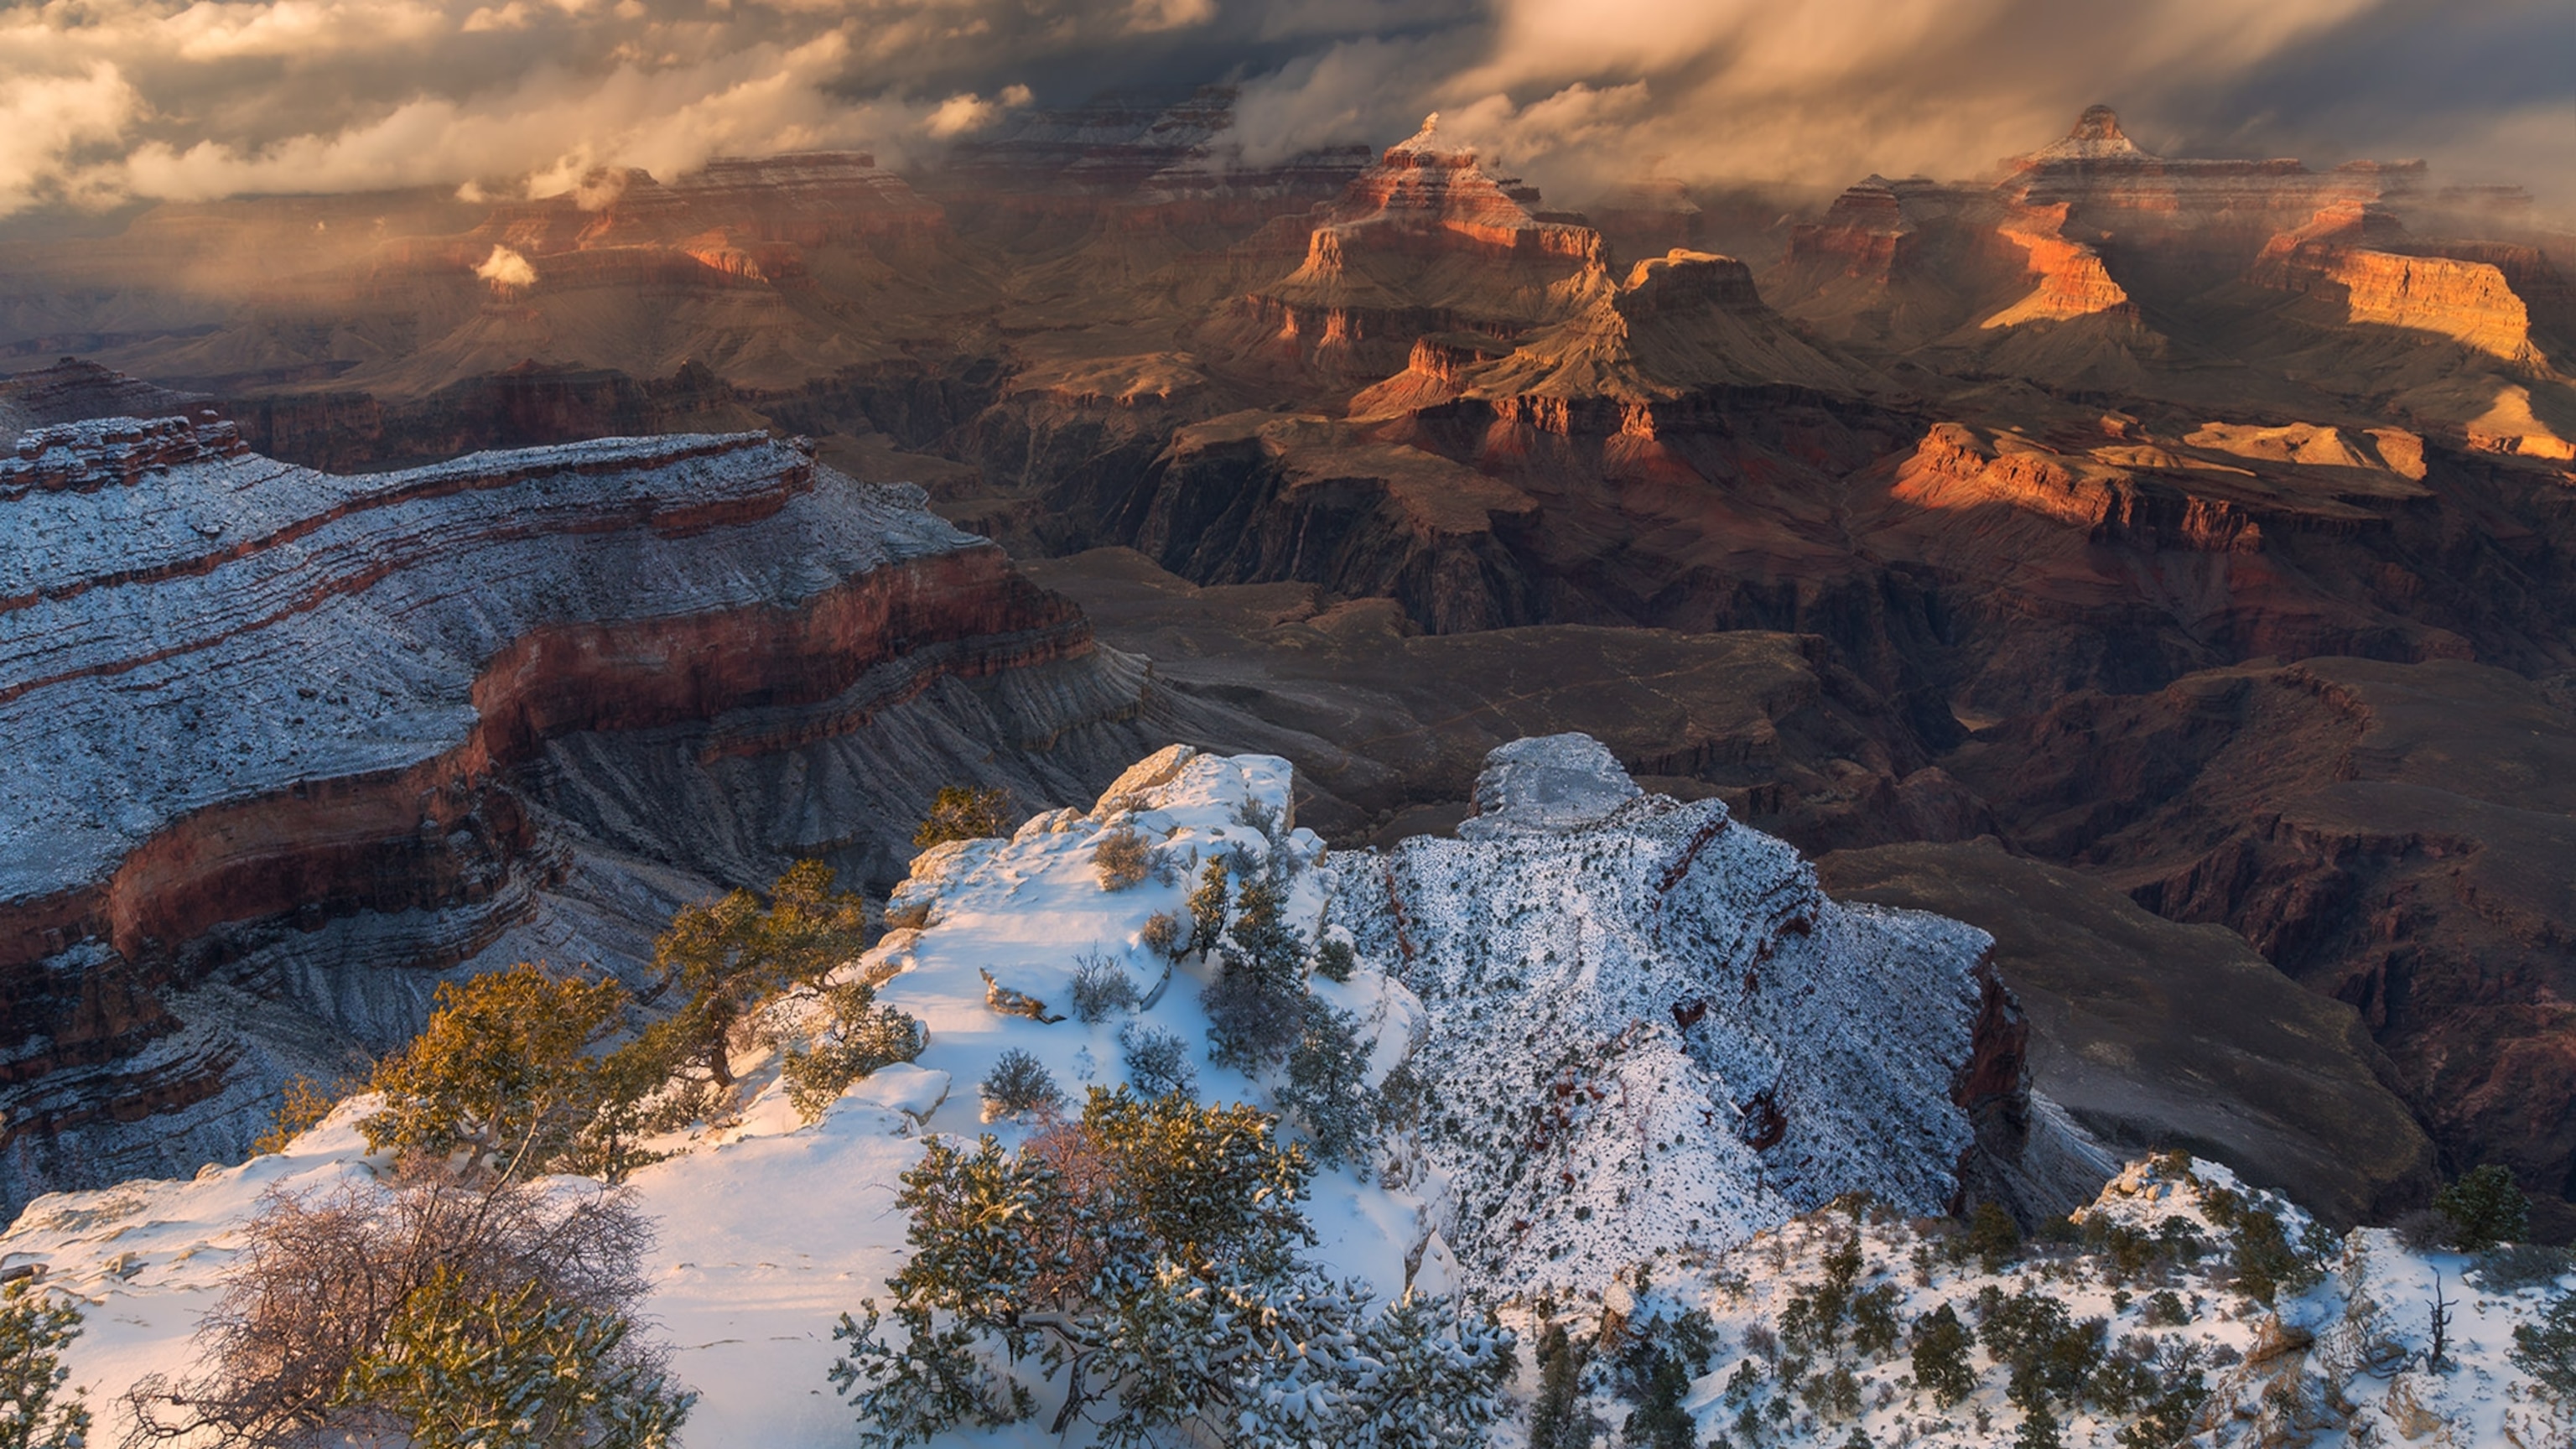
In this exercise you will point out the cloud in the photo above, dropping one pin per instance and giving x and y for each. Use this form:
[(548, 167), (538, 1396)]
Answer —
[(506, 270), (1587, 91), (102, 100)]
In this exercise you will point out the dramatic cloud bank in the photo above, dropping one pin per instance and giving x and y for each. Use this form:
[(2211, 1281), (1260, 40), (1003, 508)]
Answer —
[(105, 100)]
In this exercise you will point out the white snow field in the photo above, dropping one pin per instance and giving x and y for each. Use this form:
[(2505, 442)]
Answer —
[(1645, 1035)]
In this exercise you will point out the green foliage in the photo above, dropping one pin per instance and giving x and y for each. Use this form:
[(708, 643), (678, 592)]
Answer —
[(861, 1037), (1813, 1319), (1327, 1084), (964, 812), (303, 1103), (2485, 1208), (2546, 1347), (2267, 1263), (2048, 1352), (2167, 1420), (1941, 1345), (1557, 1420), (35, 1328), (2038, 1428), (510, 1369), (1257, 1005), (1208, 908), (730, 956), (502, 1071), (1993, 1238), (1873, 1316), (1164, 936), (1334, 959), (2165, 1310), (1158, 1061), (1655, 1369), (1148, 1252)]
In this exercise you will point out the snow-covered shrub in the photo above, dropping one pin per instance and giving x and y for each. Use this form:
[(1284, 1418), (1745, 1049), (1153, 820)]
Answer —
[(1165, 936), (1208, 907), (1071, 1251), (861, 1038), (320, 1276), (35, 1327), (1158, 1061), (1101, 987), (2521, 1265), (2546, 1349), (1018, 1085), (964, 812), (457, 1370), (1261, 816), (1334, 959), (1257, 1005), (1327, 1084), (1122, 858)]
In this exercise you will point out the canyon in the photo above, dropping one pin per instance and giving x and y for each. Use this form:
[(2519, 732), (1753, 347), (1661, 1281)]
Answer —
[(2077, 551)]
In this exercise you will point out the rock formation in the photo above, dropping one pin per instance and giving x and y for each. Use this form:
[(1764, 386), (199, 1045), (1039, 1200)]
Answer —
[(289, 745), (1649, 1030)]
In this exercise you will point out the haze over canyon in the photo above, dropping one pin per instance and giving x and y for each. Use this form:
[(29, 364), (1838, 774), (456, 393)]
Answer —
[(1958, 636)]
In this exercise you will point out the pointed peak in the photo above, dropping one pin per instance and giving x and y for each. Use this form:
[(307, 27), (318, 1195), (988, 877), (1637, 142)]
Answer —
[(2097, 137), (2098, 123), (1427, 142)]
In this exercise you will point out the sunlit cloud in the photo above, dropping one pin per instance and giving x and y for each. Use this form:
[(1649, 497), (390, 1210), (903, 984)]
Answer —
[(103, 100)]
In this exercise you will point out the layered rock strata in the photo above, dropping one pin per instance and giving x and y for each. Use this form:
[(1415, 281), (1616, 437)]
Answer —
[(305, 739)]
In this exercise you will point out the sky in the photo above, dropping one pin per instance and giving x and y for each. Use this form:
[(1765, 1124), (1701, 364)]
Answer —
[(104, 102)]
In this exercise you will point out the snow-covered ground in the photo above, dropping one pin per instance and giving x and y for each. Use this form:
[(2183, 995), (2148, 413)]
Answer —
[(1695, 1048)]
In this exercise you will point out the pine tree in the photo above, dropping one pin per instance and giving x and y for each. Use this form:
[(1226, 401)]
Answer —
[(1256, 1006), (1208, 908), (1556, 1417), (1941, 1345), (1148, 1250), (35, 1328), (502, 1070), (2485, 1208), (963, 812), (730, 956), (1327, 1084)]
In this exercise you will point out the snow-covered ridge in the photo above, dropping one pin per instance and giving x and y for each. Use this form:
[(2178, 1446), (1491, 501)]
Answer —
[(771, 1226), (1650, 1031)]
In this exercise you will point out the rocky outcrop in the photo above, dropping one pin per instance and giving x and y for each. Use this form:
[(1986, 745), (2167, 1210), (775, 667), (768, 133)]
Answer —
[(291, 744), (2387, 835), (1427, 240), (1648, 1029)]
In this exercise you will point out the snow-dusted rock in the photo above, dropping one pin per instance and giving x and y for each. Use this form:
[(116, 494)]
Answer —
[(1649, 1030), (284, 745)]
